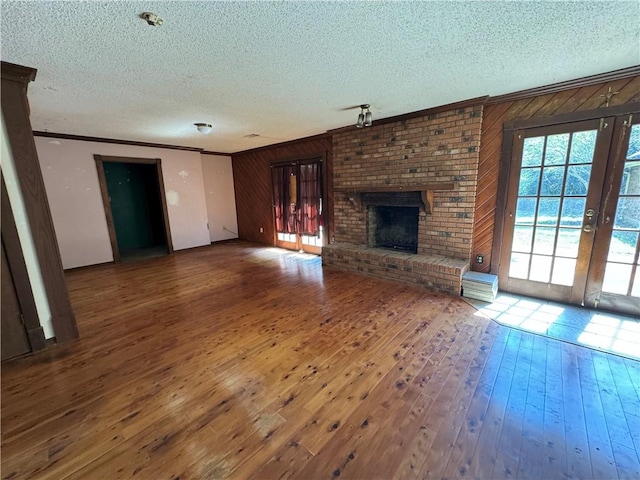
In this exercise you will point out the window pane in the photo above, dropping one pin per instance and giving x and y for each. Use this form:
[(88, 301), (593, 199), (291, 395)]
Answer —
[(628, 213), (519, 267), (577, 180), (563, 271), (552, 178), (572, 212), (623, 246), (616, 278), (568, 242), (548, 211), (631, 178), (540, 268), (556, 153), (544, 238), (525, 211), (532, 151), (529, 178), (633, 152), (522, 239), (583, 144)]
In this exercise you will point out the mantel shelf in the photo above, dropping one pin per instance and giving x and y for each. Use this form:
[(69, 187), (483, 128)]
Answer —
[(398, 188), (426, 192)]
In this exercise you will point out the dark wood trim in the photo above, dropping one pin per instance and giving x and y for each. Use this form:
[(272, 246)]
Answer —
[(15, 110), (572, 117), (113, 159), (294, 160), (19, 273), (165, 209), (83, 138), (282, 144), (501, 201), (18, 73), (220, 154), (102, 180), (567, 85), (472, 102)]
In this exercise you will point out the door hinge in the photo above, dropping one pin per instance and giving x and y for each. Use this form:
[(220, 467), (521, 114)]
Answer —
[(603, 124), (22, 321)]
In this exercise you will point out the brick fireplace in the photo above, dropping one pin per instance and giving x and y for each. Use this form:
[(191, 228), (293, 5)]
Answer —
[(427, 164)]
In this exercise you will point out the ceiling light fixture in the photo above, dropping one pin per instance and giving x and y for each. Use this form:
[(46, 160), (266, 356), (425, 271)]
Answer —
[(204, 127), (152, 19), (364, 118)]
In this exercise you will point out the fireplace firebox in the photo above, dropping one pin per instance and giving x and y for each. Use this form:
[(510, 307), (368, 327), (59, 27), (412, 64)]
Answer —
[(393, 227)]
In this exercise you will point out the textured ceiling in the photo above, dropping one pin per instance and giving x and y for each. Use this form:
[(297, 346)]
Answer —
[(285, 70)]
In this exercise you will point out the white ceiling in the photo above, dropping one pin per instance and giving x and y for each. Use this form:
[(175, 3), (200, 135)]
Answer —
[(285, 70)]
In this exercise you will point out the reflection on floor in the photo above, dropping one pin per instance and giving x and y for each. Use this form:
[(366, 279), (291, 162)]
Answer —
[(608, 332)]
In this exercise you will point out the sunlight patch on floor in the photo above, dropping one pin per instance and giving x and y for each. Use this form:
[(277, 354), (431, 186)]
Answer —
[(609, 332), (527, 314)]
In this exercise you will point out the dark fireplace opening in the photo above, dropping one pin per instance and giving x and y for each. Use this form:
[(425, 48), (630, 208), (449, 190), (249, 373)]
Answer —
[(395, 228)]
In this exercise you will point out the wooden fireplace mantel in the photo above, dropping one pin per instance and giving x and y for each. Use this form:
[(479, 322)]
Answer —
[(426, 190)]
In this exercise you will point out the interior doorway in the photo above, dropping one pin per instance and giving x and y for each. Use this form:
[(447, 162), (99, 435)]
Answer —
[(298, 205), (135, 207), (572, 218)]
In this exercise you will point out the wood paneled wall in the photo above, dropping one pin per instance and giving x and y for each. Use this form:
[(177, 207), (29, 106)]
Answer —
[(497, 113), (252, 182)]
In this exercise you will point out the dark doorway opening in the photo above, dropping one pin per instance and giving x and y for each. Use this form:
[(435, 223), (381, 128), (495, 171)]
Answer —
[(135, 207), (395, 228)]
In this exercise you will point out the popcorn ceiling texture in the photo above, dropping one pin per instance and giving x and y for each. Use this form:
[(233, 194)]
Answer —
[(290, 69)]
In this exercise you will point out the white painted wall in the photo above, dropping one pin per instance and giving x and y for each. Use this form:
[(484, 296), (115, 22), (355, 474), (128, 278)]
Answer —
[(220, 197), (24, 233), (71, 181)]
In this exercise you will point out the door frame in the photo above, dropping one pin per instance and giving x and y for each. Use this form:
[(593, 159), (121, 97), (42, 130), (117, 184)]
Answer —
[(509, 130), (19, 273), (573, 294), (594, 296), (295, 160), (102, 180)]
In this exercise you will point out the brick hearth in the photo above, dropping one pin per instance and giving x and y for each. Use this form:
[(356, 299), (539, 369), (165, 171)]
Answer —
[(435, 272)]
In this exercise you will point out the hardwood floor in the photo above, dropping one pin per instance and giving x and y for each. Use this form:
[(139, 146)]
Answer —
[(243, 362)]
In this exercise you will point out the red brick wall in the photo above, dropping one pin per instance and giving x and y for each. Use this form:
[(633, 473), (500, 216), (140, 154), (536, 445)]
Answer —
[(441, 147)]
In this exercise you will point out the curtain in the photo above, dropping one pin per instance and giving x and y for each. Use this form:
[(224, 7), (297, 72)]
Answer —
[(310, 198), (284, 209)]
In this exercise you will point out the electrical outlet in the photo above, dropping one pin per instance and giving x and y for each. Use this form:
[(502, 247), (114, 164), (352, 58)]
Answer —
[(261, 230), (479, 259)]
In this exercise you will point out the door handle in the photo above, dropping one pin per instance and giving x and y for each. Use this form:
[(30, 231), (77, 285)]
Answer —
[(587, 228)]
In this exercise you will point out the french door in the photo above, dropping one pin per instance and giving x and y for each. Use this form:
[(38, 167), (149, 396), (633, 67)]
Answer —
[(298, 204), (572, 218)]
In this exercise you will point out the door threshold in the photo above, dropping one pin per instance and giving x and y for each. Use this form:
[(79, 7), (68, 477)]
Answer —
[(596, 329)]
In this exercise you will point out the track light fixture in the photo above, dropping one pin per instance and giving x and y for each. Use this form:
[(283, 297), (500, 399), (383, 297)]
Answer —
[(204, 127), (364, 118)]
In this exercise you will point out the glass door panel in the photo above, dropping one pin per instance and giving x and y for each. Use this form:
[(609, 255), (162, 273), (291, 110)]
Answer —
[(617, 241), (297, 205), (547, 247)]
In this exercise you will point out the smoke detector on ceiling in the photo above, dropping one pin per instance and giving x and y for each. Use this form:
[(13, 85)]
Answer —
[(152, 19)]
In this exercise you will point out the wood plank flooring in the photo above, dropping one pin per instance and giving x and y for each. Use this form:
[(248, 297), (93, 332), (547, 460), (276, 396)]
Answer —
[(237, 361)]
